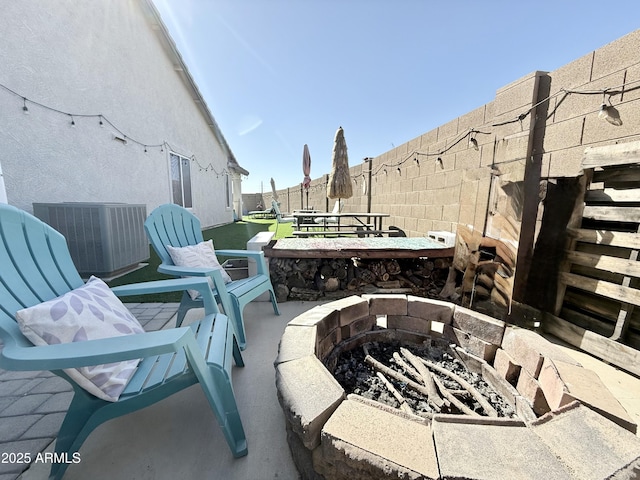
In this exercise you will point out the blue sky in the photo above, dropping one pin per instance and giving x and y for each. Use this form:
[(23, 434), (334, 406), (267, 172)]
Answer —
[(277, 74)]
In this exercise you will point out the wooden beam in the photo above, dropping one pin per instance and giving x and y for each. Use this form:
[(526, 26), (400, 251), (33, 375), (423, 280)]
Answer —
[(606, 237), (613, 214), (574, 222), (607, 155), (624, 316), (604, 348), (603, 262), (606, 289), (626, 175), (613, 195), (586, 321)]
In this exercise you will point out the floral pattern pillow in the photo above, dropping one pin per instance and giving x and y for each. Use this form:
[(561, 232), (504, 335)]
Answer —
[(200, 255), (89, 312)]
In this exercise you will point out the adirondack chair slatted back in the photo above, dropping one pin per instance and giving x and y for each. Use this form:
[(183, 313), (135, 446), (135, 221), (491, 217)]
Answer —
[(172, 225), (35, 266)]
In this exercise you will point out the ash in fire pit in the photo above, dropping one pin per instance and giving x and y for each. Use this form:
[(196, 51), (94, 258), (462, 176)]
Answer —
[(422, 380)]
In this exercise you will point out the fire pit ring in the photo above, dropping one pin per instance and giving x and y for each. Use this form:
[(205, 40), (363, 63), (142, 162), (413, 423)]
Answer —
[(337, 436)]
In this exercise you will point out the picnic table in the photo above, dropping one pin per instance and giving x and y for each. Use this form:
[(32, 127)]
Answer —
[(325, 224)]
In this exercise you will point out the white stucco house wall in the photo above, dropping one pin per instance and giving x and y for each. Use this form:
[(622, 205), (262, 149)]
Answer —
[(98, 106)]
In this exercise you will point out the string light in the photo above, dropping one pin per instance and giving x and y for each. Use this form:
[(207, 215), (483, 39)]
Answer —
[(120, 136), (618, 90), (609, 113)]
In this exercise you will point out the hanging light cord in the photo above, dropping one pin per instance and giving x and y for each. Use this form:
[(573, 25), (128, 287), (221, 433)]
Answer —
[(104, 120)]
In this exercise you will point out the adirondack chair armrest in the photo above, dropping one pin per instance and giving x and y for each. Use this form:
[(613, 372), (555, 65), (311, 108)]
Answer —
[(215, 275), (96, 352), (177, 271), (256, 255), (173, 285)]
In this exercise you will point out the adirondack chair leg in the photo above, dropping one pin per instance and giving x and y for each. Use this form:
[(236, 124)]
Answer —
[(186, 304), (238, 305), (80, 421), (217, 387), (274, 302), (237, 354)]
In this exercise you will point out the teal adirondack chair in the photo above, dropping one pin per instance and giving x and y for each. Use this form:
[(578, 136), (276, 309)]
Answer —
[(173, 225), (280, 218), (36, 267)]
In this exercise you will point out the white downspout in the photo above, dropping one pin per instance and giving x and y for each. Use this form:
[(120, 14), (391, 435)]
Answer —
[(3, 190)]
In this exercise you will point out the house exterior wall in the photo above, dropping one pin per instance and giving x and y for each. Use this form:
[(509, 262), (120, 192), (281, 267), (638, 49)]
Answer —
[(99, 58)]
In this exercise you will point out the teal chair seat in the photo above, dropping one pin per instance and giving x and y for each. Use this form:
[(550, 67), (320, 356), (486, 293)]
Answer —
[(37, 267), (173, 225)]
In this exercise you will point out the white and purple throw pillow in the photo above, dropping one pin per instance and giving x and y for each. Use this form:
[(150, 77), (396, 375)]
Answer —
[(89, 312), (200, 255)]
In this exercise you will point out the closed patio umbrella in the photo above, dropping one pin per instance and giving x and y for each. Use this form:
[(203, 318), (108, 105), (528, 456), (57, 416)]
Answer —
[(339, 185), (273, 189), (306, 170)]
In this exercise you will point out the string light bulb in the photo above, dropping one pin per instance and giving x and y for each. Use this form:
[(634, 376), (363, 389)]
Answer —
[(474, 143), (610, 114), (25, 109), (73, 122)]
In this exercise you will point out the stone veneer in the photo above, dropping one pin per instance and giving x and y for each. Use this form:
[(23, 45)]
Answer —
[(560, 404)]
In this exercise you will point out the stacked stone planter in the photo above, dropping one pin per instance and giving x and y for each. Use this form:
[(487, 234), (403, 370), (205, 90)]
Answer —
[(337, 436)]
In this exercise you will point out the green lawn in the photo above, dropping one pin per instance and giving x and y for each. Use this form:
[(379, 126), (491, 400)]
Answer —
[(232, 236)]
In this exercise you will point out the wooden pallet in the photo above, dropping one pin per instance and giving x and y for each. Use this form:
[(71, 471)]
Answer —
[(599, 281)]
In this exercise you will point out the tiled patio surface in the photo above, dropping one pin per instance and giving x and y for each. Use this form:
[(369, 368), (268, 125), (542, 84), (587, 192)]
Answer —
[(178, 437), (33, 404)]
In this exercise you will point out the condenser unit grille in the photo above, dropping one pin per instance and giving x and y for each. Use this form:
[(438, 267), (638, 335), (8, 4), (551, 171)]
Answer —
[(103, 238)]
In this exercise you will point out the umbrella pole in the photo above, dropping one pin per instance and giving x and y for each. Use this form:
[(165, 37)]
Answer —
[(307, 199)]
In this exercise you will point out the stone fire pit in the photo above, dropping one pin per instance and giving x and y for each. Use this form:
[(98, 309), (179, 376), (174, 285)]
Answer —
[(569, 425)]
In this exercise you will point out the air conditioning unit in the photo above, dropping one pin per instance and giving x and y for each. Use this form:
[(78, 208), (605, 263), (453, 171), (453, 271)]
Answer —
[(103, 238)]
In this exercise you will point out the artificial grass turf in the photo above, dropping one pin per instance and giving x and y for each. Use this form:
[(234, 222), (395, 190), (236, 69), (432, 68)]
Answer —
[(231, 236)]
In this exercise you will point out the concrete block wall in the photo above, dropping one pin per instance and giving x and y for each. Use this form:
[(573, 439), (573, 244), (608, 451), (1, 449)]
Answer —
[(433, 194), (533, 131)]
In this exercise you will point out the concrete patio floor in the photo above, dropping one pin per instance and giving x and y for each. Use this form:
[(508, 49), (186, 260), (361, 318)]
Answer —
[(179, 438)]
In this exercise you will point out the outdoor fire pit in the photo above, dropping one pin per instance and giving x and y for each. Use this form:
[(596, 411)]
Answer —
[(545, 404)]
